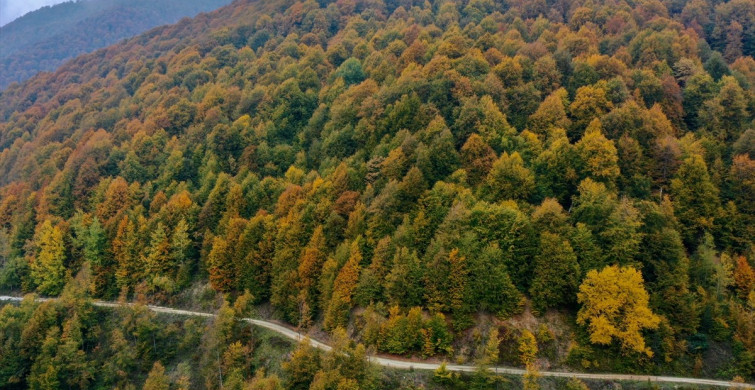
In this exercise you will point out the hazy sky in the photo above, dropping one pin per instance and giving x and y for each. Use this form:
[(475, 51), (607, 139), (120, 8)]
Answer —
[(12, 9)]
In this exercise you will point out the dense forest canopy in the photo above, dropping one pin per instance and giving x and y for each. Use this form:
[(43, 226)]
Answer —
[(42, 40), (408, 171)]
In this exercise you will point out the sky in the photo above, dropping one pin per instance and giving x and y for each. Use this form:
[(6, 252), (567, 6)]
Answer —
[(12, 9)]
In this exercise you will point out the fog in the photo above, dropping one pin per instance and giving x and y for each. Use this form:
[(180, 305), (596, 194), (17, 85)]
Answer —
[(12, 9)]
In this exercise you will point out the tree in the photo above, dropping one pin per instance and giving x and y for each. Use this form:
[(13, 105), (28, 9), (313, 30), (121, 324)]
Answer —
[(403, 284), (351, 71), (95, 252), (528, 356), (477, 158), (458, 285), (589, 103), (222, 276), (744, 278), (180, 245), (615, 306), (509, 179), (158, 259), (71, 359), (157, 380), (490, 350), (527, 348), (44, 372), (551, 114), (301, 368), (446, 287), (310, 264), (123, 247), (598, 154), (47, 265), (695, 199), (343, 289), (556, 273)]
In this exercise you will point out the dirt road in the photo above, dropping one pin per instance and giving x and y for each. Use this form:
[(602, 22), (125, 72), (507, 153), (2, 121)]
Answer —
[(416, 365)]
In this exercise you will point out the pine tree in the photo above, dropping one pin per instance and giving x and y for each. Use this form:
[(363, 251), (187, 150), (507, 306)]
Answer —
[(310, 264), (95, 252), (458, 296), (695, 199), (221, 266), (158, 260), (556, 273), (129, 268), (71, 359), (180, 246)]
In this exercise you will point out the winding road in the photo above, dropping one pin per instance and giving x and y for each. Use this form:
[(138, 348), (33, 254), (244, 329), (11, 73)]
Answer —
[(413, 365)]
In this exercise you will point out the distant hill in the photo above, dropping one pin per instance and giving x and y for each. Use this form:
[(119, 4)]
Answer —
[(42, 40)]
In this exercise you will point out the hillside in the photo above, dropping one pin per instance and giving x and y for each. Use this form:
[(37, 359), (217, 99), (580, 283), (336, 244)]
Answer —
[(42, 40), (540, 184)]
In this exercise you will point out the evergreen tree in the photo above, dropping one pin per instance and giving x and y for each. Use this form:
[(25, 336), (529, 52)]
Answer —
[(695, 199), (556, 273)]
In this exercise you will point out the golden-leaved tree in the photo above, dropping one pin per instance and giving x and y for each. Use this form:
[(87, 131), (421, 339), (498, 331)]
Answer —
[(615, 306), (47, 268)]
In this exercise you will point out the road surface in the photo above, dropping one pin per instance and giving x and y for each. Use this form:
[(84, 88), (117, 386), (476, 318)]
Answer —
[(414, 365)]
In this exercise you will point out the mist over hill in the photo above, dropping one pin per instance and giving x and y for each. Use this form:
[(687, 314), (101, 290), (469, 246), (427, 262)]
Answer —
[(43, 39)]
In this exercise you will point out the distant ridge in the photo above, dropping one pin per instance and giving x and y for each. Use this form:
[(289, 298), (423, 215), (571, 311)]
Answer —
[(43, 39)]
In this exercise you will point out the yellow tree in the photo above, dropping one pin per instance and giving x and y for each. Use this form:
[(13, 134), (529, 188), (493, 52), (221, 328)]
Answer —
[(528, 356), (509, 179), (598, 154), (343, 288), (550, 114), (589, 103), (157, 380), (615, 306), (47, 269)]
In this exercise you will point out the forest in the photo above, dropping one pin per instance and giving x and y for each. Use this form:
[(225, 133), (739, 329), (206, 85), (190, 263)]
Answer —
[(44, 39), (542, 184)]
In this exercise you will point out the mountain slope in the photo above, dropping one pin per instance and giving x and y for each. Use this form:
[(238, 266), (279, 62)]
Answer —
[(574, 175), (42, 40)]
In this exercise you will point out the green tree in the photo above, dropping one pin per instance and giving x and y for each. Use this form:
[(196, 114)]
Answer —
[(509, 179), (556, 272), (695, 199), (95, 252), (123, 246), (403, 284), (158, 259), (180, 247), (301, 368)]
